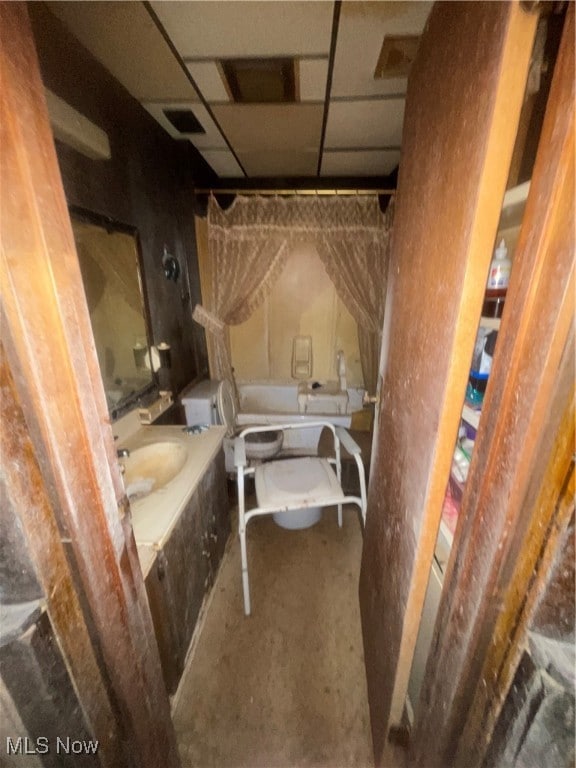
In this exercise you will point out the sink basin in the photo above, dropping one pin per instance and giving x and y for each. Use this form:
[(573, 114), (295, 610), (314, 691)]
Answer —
[(151, 467)]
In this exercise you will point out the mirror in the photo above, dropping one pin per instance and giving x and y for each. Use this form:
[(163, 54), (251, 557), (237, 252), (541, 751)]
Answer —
[(109, 261)]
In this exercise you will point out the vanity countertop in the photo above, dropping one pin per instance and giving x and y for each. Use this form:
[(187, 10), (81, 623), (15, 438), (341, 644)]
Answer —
[(146, 556), (155, 515)]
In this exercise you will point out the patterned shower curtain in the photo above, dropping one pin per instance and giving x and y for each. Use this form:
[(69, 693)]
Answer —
[(248, 245)]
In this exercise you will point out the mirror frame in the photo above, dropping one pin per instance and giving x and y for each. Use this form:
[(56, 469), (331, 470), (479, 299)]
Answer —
[(150, 392)]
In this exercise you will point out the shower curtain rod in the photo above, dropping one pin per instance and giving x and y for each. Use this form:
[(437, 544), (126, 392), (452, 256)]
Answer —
[(295, 191)]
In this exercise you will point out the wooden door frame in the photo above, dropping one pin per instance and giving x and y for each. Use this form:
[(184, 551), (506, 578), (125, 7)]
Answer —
[(514, 510), (62, 433), (447, 210)]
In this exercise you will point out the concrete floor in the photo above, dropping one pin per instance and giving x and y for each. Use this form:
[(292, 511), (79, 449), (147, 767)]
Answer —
[(286, 686)]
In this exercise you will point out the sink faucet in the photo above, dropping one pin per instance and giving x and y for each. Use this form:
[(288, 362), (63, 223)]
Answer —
[(122, 453)]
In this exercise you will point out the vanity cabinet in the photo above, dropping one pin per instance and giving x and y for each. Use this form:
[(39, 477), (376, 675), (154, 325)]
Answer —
[(185, 568)]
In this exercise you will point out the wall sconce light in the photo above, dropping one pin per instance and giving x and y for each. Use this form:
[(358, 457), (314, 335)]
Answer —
[(171, 266)]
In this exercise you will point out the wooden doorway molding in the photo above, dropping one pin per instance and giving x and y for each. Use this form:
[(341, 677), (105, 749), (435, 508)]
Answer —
[(52, 362), (516, 507), (463, 106)]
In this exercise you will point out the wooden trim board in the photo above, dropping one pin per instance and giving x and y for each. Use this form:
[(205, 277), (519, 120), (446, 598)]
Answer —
[(52, 359), (463, 105), (502, 528)]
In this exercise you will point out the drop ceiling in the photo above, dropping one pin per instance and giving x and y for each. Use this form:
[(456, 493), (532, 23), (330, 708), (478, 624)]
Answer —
[(343, 121)]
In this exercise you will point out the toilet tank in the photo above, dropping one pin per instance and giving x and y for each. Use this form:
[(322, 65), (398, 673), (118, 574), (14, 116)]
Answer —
[(199, 401)]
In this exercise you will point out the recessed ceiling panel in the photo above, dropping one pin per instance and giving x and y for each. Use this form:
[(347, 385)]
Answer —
[(208, 79), (236, 29), (210, 139), (279, 163), (360, 163), (271, 128), (260, 81), (372, 124), (312, 74), (361, 32), (123, 37), (222, 162)]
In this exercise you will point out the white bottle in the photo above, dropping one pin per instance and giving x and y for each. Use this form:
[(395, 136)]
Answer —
[(499, 275)]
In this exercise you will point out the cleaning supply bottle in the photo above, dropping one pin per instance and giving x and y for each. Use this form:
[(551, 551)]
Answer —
[(497, 285), (499, 275)]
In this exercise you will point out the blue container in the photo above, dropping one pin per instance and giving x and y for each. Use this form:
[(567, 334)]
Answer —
[(476, 387)]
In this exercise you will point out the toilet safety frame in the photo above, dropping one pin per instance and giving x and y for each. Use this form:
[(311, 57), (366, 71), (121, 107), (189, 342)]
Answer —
[(328, 491)]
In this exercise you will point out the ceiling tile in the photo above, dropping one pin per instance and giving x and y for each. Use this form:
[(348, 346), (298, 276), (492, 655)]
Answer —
[(211, 139), (278, 163), (123, 37), (360, 35), (372, 124), (360, 163), (208, 80), (222, 162), (271, 127), (237, 29), (313, 76)]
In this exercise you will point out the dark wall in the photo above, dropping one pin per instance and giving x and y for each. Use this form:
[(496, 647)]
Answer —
[(147, 184)]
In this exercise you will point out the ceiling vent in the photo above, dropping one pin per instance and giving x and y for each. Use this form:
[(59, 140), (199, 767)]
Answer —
[(184, 120), (396, 57), (260, 81)]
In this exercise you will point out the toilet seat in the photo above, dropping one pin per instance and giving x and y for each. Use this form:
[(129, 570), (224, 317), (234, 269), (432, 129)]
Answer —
[(308, 480), (258, 445), (227, 406)]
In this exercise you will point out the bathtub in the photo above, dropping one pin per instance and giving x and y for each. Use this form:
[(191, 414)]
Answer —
[(277, 402)]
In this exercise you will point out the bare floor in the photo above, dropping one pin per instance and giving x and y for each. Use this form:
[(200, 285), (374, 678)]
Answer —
[(285, 686)]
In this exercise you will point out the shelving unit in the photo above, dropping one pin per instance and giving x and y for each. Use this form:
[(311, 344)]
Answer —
[(444, 650), (490, 322), (471, 416), (509, 229)]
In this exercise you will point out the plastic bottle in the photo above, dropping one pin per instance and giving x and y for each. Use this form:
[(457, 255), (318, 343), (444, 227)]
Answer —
[(481, 365), (497, 285), (499, 275)]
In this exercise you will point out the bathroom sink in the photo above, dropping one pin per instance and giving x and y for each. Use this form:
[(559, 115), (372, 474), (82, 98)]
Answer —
[(151, 467)]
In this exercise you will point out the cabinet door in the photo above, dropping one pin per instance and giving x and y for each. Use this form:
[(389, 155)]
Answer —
[(463, 104), (163, 621), (215, 512), (185, 569), (188, 570), (176, 587)]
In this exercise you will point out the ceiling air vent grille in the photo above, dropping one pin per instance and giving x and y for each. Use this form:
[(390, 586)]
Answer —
[(396, 57), (184, 120)]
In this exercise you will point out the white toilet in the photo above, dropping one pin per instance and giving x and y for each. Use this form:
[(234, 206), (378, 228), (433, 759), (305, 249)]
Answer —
[(213, 402), (260, 445)]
